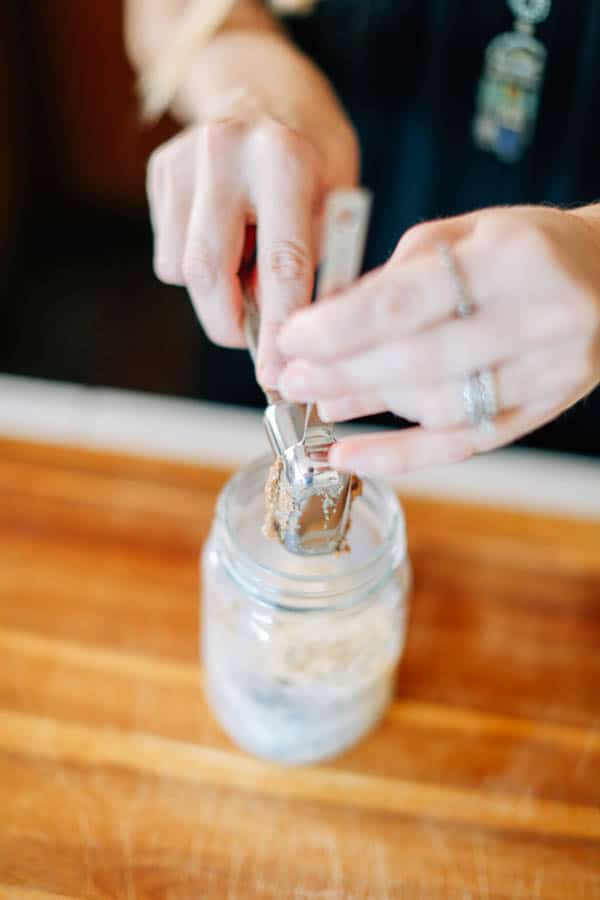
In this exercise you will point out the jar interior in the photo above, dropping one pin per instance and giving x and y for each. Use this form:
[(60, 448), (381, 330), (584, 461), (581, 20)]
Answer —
[(376, 523), (299, 652)]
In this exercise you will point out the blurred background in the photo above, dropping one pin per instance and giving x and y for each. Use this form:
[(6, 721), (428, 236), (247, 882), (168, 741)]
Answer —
[(79, 299)]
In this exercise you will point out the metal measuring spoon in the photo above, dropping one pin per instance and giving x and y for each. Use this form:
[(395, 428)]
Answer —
[(309, 502)]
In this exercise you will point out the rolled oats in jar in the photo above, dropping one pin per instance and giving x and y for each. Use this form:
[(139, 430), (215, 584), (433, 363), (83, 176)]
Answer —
[(299, 653)]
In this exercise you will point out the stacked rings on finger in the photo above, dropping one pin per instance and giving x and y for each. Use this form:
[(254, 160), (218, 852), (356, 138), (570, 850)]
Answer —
[(488, 394), (479, 393), (480, 399)]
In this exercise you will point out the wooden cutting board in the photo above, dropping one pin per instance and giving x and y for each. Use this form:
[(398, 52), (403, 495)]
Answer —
[(482, 782)]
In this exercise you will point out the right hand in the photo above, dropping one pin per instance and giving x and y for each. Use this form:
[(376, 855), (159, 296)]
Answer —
[(243, 167)]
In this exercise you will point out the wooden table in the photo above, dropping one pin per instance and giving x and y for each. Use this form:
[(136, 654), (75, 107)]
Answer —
[(482, 782)]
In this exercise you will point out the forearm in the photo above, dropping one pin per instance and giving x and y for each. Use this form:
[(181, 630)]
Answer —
[(149, 24), (206, 51), (247, 73)]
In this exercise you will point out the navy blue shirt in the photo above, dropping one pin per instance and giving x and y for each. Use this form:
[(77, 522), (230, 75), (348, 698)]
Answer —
[(407, 72)]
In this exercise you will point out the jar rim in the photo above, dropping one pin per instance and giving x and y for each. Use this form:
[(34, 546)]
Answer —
[(393, 541)]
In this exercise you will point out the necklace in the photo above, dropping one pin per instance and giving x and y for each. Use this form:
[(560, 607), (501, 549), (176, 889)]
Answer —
[(511, 83)]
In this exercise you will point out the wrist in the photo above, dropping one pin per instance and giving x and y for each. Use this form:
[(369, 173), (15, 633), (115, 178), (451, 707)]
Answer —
[(251, 76), (165, 54), (232, 78)]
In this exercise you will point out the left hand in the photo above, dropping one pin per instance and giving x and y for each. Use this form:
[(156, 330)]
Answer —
[(392, 342)]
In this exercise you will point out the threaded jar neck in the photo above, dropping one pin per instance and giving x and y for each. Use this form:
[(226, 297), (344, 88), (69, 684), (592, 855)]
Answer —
[(276, 578)]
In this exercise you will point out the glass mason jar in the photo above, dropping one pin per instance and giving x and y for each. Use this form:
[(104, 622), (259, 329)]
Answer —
[(299, 653)]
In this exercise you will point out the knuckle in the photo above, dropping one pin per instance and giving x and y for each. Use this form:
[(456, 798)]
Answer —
[(419, 235), (531, 243), (167, 270), (289, 151), (218, 137), (493, 225), (199, 269), (283, 139), (289, 261)]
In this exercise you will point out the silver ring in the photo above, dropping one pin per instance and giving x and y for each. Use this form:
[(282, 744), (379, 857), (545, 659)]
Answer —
[(488, 394), (479, 394), (463, 305), (480, 399), (471, 396)]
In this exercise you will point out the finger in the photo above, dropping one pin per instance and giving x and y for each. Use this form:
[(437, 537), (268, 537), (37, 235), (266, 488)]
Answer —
[(426, 358), (285, 205), (154, 190), (215, 238), (418, 297), (390, 455), (352, 406), (170, 237), (169, 186), (393, 302), (490, 337), (406, 402), (559, 371), (555, 371)]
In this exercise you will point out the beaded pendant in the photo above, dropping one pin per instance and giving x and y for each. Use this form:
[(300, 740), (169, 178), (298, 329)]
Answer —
[(509, 91)]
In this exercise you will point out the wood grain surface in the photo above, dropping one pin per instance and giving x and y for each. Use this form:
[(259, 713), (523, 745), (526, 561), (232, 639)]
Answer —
[(483, 781)]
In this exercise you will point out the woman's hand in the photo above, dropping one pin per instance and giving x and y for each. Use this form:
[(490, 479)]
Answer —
[(393, 341), (264, 154)]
